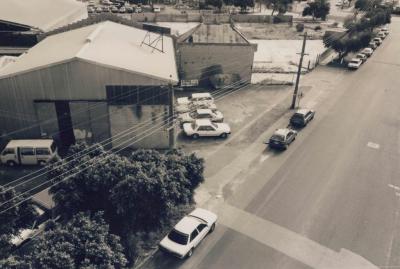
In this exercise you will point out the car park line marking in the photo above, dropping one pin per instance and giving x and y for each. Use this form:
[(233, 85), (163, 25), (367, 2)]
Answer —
[(288, 242), (373, 145), (394, 187)]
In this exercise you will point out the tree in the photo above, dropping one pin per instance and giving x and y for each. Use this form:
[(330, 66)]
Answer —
[(317, 9), (135, 192), (18, 217), (344, 43), (278, 5), (215, 3), (243, 4), (84, 242)]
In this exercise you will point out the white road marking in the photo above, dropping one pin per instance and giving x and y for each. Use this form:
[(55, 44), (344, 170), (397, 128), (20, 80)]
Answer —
[(373, 145), (263, 158), (397, 188), (288, 242)]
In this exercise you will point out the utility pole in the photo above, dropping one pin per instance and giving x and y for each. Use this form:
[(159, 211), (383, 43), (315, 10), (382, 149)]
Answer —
[(296, 87), (171, 128)]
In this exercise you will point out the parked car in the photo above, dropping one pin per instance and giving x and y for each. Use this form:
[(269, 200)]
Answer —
[(367, 51), (213, 115), (381, 35), (282, 138), (377, 40), (354, 63), (91, 3), (196, 99), (114, 9), (138, 9), (90, 10), (122, 10), (129, 10), (31, 152), (302, 117), (204, 127), (372, 45), (99, 9), (106, 9), (188, 233), (156, 9), (384, 30), (184, 108), (362, 56)]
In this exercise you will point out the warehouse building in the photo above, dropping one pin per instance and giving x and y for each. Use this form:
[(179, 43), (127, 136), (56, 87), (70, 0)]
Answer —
[(102, 81), (214, 55), (22, 21)]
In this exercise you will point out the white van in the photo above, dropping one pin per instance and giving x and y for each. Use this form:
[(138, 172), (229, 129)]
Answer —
[(31, 152), (156, 9)]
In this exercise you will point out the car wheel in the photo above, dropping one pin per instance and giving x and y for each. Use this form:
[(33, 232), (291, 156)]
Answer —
[(224, 135), (11, 163), (190, 253), (212, 228), (195, 136)]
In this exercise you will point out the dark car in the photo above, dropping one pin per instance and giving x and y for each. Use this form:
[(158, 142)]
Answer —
[(302, 117), (282, 138)]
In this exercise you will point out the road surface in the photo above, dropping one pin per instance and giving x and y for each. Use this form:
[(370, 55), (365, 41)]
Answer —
[(332, 199)]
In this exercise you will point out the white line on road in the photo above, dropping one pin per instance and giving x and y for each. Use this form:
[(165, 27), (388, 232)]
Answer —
[(373, 145), (397, 188), (264, 157)]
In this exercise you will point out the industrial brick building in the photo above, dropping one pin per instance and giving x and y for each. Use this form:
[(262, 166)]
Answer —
[(214, 50), (92, 83)]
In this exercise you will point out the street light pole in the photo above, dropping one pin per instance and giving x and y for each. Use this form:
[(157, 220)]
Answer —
[(171, 129), (296, 87)]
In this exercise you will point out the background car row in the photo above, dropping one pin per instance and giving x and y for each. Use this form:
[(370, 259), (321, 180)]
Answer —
[(362, 57)]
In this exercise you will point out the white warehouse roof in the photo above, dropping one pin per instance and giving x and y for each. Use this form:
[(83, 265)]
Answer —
[(45, 15), (106, 43)]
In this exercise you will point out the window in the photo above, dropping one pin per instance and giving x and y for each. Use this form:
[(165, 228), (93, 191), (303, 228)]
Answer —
[(8, 151), (42, 151), (201, 227), (27, 151), (193, 235), (203, 128), (210, 128), (178, 237)]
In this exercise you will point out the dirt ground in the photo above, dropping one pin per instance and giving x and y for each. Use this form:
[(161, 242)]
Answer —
[(281, 31)]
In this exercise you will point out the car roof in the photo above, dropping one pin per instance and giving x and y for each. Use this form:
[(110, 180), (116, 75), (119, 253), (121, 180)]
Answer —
[(283, 131), (204, 111), (355, 60), (200, 95), (302, 111), (30, 143), (203, 122), (187, 224)]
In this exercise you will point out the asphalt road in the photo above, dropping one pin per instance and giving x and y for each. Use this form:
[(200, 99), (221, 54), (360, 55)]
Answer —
[(332, 199)]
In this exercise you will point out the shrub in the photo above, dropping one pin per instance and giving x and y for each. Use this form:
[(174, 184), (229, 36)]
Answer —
[(300, 27), (317, 28)]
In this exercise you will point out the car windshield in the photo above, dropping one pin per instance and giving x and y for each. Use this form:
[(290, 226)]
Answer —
[(178, 237), (297, 116), (354, 61), (277, 137), (213, 124)]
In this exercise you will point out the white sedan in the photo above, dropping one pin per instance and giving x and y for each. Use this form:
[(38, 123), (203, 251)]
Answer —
[(213, 115), (188, 233), (355, 63), (205, 127), (184, 108)]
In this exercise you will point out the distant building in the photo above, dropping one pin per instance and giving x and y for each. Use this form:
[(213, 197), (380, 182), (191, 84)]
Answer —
[(214, 54), (21, 21), (92, 83)]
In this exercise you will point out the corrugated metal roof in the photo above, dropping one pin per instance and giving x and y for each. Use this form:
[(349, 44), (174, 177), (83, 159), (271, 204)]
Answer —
[(106, 43), (42, 14), (215, 33)]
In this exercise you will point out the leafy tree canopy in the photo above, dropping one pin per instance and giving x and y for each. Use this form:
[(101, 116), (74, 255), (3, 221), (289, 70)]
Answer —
[(84, 242), (15, 219), (317, 9), (135, 192)]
